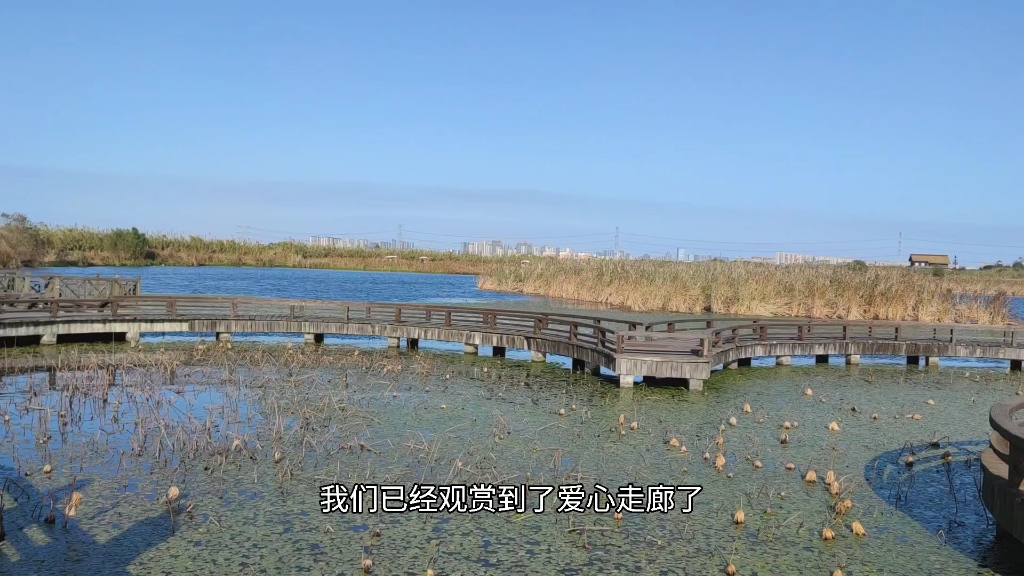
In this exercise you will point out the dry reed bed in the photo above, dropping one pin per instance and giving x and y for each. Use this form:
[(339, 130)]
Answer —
[(643, 285), (815, 291)]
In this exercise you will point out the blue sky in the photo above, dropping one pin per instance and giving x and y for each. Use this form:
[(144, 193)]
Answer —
[(801, 126)]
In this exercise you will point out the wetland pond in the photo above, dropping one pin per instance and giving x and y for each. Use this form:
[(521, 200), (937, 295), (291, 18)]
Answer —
[(248, 435)]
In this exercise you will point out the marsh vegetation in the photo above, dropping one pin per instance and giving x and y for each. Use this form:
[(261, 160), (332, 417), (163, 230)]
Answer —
[(198, 457)]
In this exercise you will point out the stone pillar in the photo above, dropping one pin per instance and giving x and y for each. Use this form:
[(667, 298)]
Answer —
[(821, 358), (470, 349), (731, 365), (538, 356), (743, 362), (783, 360), (394, 342), (48, 339), (412, 343), (626, 380), (1016, 365), (694, 384), (913, 360), (931, 360), (498, 351), (852, 359), (223, 336), (133, 338), (313, 339)]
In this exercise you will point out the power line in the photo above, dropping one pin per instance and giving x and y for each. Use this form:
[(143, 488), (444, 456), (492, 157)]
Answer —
[(755, 243), (311, 233), (965, 243), (534, 237)]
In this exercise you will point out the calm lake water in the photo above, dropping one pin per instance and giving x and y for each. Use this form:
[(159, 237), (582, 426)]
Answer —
[(250, 435)]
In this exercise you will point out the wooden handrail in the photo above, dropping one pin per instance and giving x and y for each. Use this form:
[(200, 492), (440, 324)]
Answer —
[(1000, 417)]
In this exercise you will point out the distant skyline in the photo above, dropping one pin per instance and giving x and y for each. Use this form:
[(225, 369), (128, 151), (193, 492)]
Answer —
[(803, 127)]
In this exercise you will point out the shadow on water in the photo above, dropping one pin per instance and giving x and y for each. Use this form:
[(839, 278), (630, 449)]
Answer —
[(52, 547), (942, 493)]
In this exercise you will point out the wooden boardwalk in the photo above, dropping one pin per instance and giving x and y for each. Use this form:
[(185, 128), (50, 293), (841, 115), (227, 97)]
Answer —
[(685, 349), (17, 284), (1002, 464)]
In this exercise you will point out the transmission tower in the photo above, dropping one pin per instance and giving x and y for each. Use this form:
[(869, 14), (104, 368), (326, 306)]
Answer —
[(616, 241)]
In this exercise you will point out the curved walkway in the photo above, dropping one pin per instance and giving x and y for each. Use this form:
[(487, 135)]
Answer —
[(1002, 464), (686, 348)]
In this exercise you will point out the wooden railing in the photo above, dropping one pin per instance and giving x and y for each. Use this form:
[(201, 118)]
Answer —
[(844, 331), (1007, 443), (691, 335), (586, 331), (58, 286), (1008, 438)]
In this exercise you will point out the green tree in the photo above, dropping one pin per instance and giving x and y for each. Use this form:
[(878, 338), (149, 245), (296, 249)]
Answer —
[(127, 245), (858, 265), (21, 242)]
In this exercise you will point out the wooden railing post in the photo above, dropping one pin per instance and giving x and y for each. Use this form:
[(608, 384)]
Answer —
[(398, 314), (800, 332), (53, 309), (897, 333), (762, 333), (447, 318), (705, 346), (113, 309), (536, 325), (234, 309), (846, 333), (710, 324), (426, 315), (573, 332), (346, 314), (618, 343), (368, 313), (291, 312), (952, 335), (671, 327)]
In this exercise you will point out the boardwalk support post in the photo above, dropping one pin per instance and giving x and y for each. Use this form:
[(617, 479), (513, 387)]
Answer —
[(48, 339), (538, 356), (694, 384), (731, 365), (913, 360), (931, 360), (852, 359), (1016, 365), (821, 358), (133, 338), (222, 337), (744, 362), (313, 339), (626, 380), (394, 342), (498, 351), (470, 349), (783, 360)]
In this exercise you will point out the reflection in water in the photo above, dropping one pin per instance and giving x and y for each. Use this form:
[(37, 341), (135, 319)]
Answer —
[(941, 490), (250, 434)]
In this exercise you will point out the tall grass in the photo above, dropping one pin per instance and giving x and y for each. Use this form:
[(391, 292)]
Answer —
[(815, 291)]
